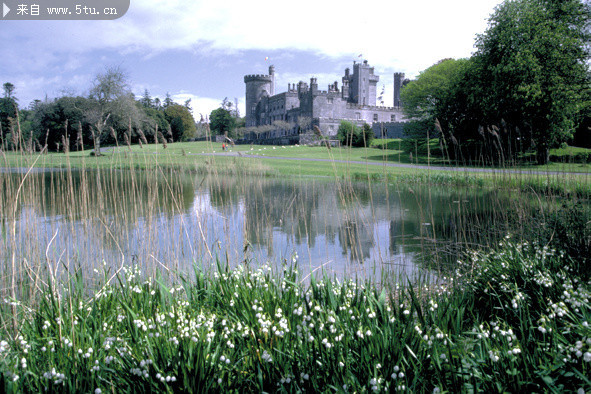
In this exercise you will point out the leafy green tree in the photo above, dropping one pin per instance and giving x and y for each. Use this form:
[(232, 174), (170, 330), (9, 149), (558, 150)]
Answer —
[(167, 101), (8, 111), (532, 64), (153, 121), (146, 100), (181, 122), (222, 122), (8, 89), (112, 96), (428, 97), (63, 117), (366, 136), (350, 134)]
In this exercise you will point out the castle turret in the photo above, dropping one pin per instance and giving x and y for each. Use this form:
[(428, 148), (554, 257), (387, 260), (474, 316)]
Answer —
[(346, 85), (272, 75), (398, 79), (363, 84), (257, 86), (314, 85)]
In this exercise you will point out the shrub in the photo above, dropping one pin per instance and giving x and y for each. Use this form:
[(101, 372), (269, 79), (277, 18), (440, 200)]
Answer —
[(350, 134)]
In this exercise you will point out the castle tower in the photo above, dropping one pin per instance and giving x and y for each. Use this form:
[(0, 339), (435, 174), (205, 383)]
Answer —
[(257, 86), (272, 74), (363, 84), (398, 79)]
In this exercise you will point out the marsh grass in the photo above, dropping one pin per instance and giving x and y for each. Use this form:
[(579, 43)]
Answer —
[(129, 316), (514, 319)]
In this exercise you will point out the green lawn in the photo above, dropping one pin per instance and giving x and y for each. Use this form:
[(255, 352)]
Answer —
[(350, 163)]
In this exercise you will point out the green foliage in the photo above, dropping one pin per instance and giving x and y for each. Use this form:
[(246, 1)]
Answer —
[(154, 117), (50, 119), (569, 228), (221, 122), (181, 122), (515, 322), (350, 134), (8, 108), (532, 68), (428, 97)]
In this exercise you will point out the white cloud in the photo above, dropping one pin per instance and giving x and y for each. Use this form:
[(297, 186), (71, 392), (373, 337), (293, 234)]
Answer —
[(394, 35), (202, 106), (408, 35)]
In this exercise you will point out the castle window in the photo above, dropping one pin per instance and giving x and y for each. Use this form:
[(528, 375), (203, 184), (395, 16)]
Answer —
[(375, 117), (358, 115), (393, 118), (254, 109), (329, 100)]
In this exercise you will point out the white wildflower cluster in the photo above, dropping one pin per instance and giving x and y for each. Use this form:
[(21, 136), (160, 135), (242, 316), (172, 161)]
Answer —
[(56, 377), (142, 370), (432, 305), (267, 357), (498, 336), (375, 384), (24, 345), (166, 379), (398, 379), (4, 346), (517, 300), (543, 279), (286, 379), (432, 335)]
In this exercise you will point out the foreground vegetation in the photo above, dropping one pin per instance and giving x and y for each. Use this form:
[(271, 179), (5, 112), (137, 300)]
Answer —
[(514, 319)]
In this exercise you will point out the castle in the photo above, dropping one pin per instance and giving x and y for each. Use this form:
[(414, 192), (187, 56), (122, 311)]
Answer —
[(291, 115)]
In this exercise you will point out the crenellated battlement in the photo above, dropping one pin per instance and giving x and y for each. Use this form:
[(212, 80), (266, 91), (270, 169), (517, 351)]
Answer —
[(354, 100), (371, 107), (258, 77)]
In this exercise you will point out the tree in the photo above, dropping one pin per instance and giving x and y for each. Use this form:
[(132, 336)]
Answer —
[(8, 113), (167, 101), (427, 98), (181, 122), (8, 89), (64, 117), (111, 94), (155, 120), (350, 134), (221, 122), (146, 100), (532, 67)]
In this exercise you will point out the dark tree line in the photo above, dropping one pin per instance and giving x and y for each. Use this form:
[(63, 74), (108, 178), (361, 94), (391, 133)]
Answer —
[(525, 89), (108, 114)]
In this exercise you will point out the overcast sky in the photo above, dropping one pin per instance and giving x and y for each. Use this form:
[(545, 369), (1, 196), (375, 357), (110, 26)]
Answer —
[(202, 49)]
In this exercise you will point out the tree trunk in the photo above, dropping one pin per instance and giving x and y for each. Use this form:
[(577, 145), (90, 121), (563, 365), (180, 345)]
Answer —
[(543, 154)]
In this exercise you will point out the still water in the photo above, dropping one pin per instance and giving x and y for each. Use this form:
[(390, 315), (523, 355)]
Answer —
[(168, 219)]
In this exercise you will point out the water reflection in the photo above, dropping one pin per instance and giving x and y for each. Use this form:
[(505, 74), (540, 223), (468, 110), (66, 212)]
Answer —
[(174, 220)]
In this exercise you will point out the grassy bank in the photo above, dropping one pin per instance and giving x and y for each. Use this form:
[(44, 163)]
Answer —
[(344, 163), (515, 319)]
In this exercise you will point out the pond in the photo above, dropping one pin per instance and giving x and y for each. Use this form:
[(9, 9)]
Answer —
[(172, 220)]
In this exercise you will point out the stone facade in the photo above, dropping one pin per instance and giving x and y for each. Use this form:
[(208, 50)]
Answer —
[(295, 112)]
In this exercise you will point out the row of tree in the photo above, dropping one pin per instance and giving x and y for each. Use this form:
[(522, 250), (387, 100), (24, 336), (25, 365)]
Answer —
[(525, 89), (108, 114)]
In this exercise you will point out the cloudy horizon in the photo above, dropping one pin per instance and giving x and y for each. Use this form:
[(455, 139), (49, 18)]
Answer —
[(202, 50)]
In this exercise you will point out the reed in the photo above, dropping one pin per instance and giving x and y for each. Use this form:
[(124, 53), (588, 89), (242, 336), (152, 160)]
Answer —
[(99, 279)]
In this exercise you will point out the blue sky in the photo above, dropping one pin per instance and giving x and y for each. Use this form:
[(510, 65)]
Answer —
[(202, 49)]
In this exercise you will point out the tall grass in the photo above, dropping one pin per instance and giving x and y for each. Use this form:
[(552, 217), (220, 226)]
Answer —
[(98, 290), (515, 320)]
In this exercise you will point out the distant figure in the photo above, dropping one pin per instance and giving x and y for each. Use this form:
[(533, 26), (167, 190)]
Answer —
[(223, 147)]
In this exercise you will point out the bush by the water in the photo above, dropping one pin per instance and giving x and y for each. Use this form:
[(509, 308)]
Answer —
[(349, 134), (515, 319)]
